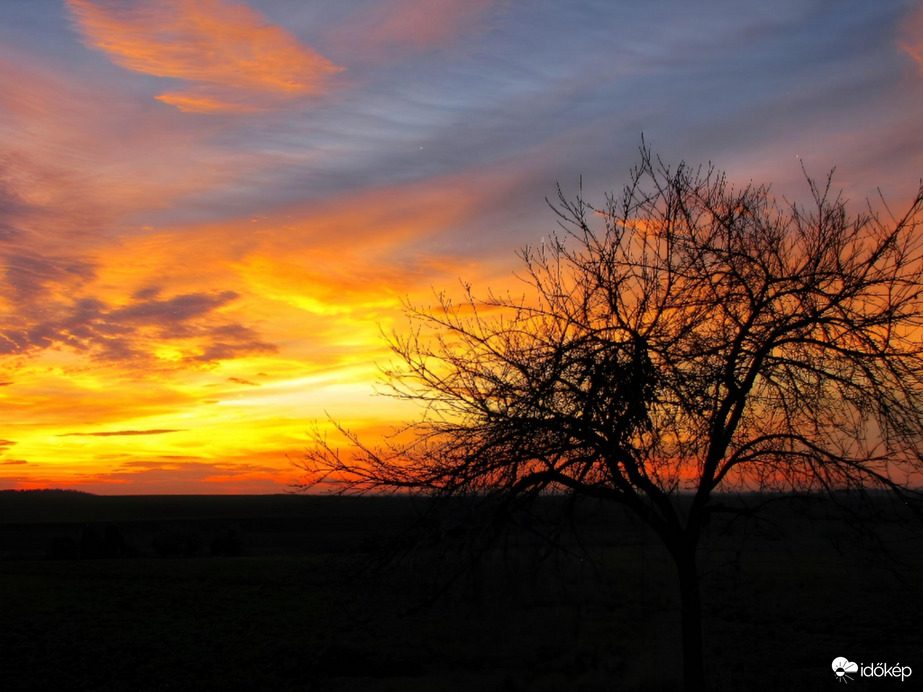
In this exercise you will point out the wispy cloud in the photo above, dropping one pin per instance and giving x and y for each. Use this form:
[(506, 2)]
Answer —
[(911, 40), (403, 27), (77, 157), (232, 59), (116, 433), (32, 278)]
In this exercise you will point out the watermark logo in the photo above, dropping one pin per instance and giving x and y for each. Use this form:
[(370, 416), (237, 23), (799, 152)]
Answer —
[(842, 667), (845, 670)]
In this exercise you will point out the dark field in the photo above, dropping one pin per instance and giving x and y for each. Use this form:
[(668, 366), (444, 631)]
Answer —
[(301, 593)]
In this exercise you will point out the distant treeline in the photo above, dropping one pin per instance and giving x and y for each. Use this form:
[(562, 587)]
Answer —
[(45, 491)]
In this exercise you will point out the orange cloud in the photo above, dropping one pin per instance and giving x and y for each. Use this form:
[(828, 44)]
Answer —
[(195, 101), (235, 60), (912, 36), (382, 261), (122, 339)]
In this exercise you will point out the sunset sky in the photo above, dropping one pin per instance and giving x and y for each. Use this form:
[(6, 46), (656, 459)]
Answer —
[(211, 209)]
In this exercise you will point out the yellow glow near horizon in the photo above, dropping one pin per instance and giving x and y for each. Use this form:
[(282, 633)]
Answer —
[(140, 404)]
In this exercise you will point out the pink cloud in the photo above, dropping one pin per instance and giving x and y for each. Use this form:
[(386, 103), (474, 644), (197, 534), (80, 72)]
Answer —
[(75, 157), (911, 40), (409, 26)]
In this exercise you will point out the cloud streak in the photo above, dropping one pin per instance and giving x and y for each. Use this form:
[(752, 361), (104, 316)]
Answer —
[(403, 27), (120, 433), (232, 59), (911, 40)]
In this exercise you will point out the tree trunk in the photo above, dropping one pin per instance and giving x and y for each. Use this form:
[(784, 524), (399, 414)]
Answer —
[(693, 665)]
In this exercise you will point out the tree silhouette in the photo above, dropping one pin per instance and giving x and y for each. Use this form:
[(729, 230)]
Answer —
[(688, 337)]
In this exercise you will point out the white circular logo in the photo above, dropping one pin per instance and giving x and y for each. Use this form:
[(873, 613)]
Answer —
[(841, 666)]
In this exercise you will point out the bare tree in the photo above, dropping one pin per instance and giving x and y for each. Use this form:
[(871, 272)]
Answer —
[(687, 337)]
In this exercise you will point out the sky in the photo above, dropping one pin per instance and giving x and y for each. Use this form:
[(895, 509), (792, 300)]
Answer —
[(211, 210)]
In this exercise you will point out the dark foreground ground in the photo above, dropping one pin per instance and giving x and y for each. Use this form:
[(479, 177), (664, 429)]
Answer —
[(300, 593)]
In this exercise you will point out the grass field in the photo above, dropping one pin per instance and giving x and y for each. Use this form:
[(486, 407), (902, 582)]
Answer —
[(305, 603)]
